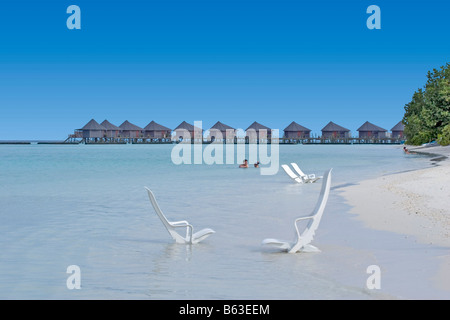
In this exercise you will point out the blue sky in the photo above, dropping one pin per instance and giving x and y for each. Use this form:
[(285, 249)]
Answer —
[(236, 61)]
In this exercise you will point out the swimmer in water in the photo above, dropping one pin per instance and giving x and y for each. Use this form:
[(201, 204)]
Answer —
[(245, 164)]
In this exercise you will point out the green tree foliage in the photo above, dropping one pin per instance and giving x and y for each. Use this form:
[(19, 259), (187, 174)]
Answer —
[(444, 137), (428, 113)]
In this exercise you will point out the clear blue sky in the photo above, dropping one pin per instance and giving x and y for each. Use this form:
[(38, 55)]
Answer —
[(236, 61)]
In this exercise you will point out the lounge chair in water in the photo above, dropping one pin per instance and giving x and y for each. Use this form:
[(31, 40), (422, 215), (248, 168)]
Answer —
[(191, 237), (307, 178), (291, 174), (302, 240)]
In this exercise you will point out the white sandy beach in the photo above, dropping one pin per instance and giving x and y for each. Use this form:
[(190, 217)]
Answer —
[(412, 203)]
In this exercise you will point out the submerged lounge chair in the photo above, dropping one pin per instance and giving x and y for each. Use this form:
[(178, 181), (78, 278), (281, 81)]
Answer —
[(190, 238), (302, 240), (306, 178), (291, 174)]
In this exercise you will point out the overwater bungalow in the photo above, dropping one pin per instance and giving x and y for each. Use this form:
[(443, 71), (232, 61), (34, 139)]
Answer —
[(156, 131), (397, 130), (92, 129), (185, 132), (257, 131), (335, 131), (130, 131), (370, 131), (112, 131), (296, 131), (222, 132)]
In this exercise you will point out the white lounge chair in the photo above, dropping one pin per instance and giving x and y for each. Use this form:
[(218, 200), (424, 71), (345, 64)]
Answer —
[(190, 238), (302, 240), (291, 174), (307, 178)]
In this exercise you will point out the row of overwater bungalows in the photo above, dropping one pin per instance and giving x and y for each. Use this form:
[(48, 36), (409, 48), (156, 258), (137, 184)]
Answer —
[(220, 131)]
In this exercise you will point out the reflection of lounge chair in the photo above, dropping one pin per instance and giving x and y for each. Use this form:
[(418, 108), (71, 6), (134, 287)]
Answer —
[(291, 174), (305, 177), (302, 241), (190, 237)]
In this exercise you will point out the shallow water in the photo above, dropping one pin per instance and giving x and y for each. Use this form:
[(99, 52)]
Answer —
[(86, 205)]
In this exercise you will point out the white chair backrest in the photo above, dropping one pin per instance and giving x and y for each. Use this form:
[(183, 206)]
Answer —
[(289, 172), (158, 209), (321, 203), (299, 171)]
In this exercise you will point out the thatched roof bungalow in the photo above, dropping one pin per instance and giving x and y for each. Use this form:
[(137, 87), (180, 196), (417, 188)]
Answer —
[(112, 131), (257, 131), (296, 131), (92, 129), (333, 130), (156, 131), (397, 130), (129, 130), (185, 131), (220, 132), (369, 131)]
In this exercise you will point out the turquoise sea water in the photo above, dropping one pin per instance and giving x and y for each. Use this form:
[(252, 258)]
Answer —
[(85, 205)]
